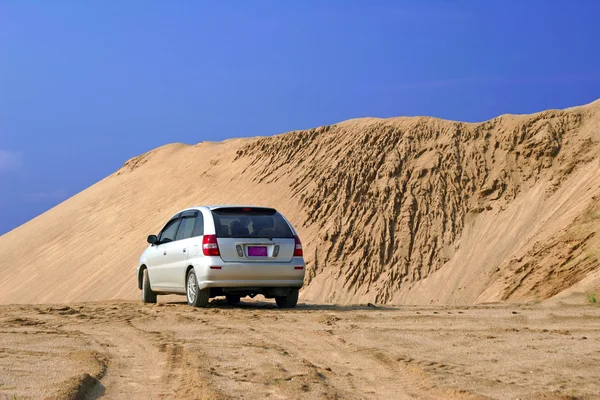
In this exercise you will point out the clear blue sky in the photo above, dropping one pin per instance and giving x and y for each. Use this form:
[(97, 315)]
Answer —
[(85, 85)]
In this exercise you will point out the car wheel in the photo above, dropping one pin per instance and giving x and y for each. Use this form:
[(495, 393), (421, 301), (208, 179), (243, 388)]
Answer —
[(148, 296), (232, 299), (196, 297), (288, 301)]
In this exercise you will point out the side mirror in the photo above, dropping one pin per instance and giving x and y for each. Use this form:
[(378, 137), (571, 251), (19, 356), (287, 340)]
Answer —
[(152, 239)]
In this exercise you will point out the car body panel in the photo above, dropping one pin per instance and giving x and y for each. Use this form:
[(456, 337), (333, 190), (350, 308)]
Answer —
[(277, 250), (165, 260)]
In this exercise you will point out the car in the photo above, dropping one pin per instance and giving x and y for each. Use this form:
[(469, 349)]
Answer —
[(232, 251)]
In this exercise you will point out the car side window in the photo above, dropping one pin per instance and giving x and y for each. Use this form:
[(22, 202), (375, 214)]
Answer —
[(169, 231), (199, 226), (186, 228)]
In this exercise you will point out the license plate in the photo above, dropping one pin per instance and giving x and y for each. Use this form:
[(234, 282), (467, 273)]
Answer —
[(257, 251)]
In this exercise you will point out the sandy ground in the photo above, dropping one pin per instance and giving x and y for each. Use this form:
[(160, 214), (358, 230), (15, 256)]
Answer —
[(125, 350)]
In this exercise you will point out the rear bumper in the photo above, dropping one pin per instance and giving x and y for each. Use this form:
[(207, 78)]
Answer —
[(239, 275), (251, 284)]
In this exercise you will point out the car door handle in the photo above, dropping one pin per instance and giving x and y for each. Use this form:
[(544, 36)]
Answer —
[(164, 253), (184, 250)]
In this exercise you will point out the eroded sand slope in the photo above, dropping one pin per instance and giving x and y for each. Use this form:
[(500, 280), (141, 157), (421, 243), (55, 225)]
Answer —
[(401, 210)]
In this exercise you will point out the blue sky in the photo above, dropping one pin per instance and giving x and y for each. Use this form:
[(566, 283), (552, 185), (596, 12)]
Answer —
[(85, 85)]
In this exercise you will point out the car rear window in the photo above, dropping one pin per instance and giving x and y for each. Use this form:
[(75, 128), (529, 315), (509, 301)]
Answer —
[(239, 222)]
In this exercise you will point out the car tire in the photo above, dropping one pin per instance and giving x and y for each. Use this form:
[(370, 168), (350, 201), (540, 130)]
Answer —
[(232, 299), (195, 297), (148, 296), (288, 301)]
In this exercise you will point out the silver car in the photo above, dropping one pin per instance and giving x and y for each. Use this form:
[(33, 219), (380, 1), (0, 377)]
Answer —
[(231, 251)]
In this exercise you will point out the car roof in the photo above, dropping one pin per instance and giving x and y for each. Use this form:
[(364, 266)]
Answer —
[(215, 206)]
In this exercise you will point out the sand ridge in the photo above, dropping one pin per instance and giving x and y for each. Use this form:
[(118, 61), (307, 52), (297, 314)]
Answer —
[(400, 211)]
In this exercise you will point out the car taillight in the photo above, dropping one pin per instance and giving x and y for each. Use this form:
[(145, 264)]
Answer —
[(297, 247), (210, 247)]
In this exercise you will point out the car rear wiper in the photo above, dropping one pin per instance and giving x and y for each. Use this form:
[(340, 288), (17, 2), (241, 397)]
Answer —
[(257, 237), (273, 237)]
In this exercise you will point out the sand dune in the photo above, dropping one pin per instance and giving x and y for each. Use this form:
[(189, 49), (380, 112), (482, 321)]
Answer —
[(399, 211)]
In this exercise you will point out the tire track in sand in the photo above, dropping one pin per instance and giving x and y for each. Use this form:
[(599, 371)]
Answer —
[(145, 364)]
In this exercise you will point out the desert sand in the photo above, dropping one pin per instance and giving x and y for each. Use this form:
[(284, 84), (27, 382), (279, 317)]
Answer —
[(391, 211), (444, 260), (124, 350)]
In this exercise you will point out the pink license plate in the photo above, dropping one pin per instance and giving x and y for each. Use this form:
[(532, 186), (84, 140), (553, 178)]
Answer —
[(257, 251)]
